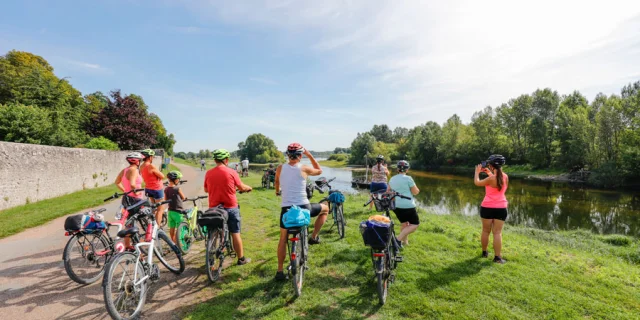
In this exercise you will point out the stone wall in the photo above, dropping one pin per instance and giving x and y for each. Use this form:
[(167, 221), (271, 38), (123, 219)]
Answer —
[(31, 172)]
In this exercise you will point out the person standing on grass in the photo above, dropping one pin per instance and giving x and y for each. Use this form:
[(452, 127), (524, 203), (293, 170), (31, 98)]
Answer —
[(175, 194), (221, 183), (493, 209), (245, 167), (405, 209), (379, 176), (152, 181)]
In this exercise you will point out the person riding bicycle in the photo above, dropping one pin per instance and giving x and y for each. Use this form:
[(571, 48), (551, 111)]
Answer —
[(153, 181), (129, 179), (221, 183), (245, 166), (405, 209), (493, 209), (379, 176), (291, 177), (175, 194)]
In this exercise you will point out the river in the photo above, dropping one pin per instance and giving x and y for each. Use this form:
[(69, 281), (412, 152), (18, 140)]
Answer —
[(537, 204)]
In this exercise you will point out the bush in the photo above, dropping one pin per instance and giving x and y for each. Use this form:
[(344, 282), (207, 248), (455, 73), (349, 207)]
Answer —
[(101, 143), (616, 240), (608, 176), (338, 157)]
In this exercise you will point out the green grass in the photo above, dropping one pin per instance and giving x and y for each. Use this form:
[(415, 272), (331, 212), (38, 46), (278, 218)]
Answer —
[(333, 163), (17, 219), (550, 275)]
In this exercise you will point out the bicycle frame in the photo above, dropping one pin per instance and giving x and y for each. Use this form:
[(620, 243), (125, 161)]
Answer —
[(150, 243)]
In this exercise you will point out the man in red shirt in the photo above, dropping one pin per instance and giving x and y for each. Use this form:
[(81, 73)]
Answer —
[(221, 183)]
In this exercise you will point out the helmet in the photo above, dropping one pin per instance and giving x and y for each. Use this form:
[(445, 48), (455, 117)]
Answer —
[(270, 165), (295, 149), (148, 153), (403, 165), (221, 154), (134, 157), (496, 160), (379, 158), (173, 175)]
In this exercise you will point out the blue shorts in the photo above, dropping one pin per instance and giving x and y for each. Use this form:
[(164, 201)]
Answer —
[(155, 194), (378, 187), (233, 222)]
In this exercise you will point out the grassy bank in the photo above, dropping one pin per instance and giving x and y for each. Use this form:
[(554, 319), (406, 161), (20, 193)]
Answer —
[(333, 163), (19, 218), (558, 275)]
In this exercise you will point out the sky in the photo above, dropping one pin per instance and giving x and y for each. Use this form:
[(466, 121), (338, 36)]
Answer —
[(319, 72)]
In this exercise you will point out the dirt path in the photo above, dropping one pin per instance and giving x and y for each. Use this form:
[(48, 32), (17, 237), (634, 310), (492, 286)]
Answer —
[(34, 284)]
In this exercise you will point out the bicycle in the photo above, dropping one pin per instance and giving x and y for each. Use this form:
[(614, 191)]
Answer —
[(95, 248), (188, 230), (385, 259), (336, 208), (298, 250), (127, 276), (268, 179)]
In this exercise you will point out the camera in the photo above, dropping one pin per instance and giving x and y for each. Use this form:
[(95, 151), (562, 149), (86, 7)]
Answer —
[(484, 163)]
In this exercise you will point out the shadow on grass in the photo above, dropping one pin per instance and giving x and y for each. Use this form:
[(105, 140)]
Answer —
[(450, 274)]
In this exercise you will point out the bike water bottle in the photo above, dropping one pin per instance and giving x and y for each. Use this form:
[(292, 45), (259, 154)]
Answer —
[(149, 235)]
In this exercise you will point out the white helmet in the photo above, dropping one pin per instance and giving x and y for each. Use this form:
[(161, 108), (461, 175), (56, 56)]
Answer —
[(134, 157)]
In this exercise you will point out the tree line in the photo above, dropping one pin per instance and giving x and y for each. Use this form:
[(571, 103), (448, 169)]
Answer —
[(541, 130), (38, 107)]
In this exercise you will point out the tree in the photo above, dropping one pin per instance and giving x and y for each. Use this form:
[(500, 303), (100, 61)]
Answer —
[(400, 133), (362, 145), (24, 124), (609, 126), (541, 128), (514, 117), (101, 143), (124, 122), (259, 148), (425, 143), (382, 133), (575, 132)]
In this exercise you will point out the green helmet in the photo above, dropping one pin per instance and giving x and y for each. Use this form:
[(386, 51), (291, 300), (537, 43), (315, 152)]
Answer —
[(148, 153), (221, 154), (173, 175)]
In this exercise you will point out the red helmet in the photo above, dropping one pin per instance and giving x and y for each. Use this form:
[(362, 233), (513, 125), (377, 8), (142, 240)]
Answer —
[(295, 149)]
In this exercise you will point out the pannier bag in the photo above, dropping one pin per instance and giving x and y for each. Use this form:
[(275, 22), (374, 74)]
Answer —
[(83, 222), (336, 197), (296, 217), (213, 218), (375, 233)]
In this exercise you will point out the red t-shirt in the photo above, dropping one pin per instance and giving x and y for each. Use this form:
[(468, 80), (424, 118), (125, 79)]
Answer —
[(221, 182)]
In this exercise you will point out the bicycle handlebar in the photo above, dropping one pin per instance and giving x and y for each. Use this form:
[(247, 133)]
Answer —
[(394, 194), (196, 198), (166, 183), (118, 195)]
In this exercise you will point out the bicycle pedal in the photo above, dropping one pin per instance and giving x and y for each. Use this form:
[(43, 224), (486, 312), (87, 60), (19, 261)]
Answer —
[(399, 259)]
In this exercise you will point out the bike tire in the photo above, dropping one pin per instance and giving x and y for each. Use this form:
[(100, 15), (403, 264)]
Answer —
[(165, 219), (339, 220), (126, 264), (87, 251), (393, 253), (213, 243), (383, 280), (184, 237), (299, 266), (199, 233), (168, 253)]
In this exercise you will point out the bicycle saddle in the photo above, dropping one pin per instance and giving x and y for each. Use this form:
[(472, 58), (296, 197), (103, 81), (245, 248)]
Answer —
[(127, 232), (294, 230)]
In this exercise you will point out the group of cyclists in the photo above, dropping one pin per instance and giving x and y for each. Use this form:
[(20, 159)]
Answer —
[(222, 182)]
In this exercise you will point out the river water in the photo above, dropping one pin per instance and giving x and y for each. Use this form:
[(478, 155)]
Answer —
[(537, 204)]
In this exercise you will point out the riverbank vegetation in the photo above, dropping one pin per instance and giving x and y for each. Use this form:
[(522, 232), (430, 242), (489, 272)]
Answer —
[(544, 130), (564, 275), (38, 107)]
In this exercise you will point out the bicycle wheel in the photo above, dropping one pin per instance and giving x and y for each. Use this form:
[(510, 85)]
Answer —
[(213, 243), (124, 299), (297, 268), (381, 274), (185, 238), (81, 262), (392, 248), (165, 219), (264, 183), (168, 253), (339, 220), (199, 233)]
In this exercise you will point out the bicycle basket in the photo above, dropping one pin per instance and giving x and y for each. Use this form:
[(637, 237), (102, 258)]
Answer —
[(321, 181), (336, 197), (213, 218), (375, 233), (296, 217), (383, 203)]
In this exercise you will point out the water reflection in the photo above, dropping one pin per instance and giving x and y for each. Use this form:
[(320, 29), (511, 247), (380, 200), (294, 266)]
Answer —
[(537, 204)]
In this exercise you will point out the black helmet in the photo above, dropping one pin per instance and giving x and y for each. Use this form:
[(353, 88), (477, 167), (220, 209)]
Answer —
[(496, 160), (270, 165), (403, 165), (380, 158)]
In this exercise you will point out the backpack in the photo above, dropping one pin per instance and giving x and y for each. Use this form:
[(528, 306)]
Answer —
[(375, 234), (83, 222), (213, 218), (296, 217)]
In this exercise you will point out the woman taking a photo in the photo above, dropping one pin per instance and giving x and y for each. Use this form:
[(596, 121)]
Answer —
[(379, 176), (493, 209)]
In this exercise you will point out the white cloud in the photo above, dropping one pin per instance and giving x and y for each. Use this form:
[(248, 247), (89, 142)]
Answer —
[(266, 81), (445, 57), (92, 67)]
